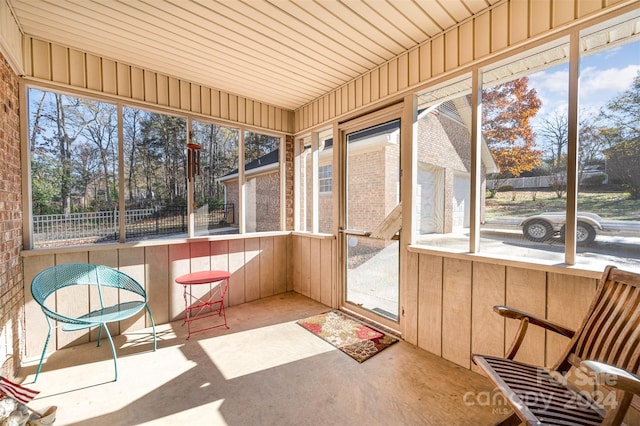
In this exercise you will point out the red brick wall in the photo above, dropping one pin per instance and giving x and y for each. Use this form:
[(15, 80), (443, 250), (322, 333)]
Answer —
[(11, 278)]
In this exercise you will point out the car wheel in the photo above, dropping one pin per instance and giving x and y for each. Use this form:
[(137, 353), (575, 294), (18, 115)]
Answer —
[(538, 230), (585, 233)]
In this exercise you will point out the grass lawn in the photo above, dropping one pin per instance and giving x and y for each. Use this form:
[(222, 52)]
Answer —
[(609, 205)]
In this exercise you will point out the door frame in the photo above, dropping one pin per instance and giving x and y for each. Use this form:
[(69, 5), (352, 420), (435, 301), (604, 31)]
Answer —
[(393, 112)]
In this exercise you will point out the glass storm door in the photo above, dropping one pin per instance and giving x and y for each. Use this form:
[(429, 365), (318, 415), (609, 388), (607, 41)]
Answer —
[(372, 192)]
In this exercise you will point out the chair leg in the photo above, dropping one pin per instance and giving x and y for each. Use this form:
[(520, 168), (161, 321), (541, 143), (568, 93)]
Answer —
[(44, 350), (113, 351), (153, 327), (99, 335)]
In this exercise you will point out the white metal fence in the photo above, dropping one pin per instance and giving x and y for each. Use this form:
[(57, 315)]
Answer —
[(54, 230)]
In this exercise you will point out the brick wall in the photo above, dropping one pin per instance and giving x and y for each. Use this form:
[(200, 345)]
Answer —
[(11, 278)]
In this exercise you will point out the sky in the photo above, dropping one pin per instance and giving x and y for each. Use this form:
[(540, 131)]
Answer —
[(603, 76)]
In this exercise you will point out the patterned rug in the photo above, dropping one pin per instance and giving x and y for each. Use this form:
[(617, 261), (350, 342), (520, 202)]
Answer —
[(352, 337)]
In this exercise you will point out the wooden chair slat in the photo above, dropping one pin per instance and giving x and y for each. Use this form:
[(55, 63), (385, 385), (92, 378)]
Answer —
[(609, 333)]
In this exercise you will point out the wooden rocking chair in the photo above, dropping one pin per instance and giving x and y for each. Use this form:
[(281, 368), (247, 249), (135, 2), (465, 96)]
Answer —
[(607, 344)]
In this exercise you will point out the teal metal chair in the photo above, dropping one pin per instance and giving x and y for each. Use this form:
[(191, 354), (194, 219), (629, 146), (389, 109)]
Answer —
[(49, 281)]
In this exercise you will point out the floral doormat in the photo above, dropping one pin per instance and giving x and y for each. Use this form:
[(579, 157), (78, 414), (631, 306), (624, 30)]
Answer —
[(352, 337)]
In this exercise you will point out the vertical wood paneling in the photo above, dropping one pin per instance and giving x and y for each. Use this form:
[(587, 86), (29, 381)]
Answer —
[(540, 17), (437, 56), (158, 282), (137, 83), (466, 42), (358, 92), (195, 98), (526, 290), (124, 80), (36, 323), (456, 311), (518, 19), (131, 262), (252, 269), (224, 105), (245, 110), (586, 7), (59, 64), (215, 103), (564, 12), (482, 36), (304, 281), (185, 95), (109, 76), (205, 100), (179, 264), (425, 61), (150, 87), (332, 104), (383, 81), (40, 59), (94, 72), (200, 258), (174, 92), (500, 27), (344, 97), (272, 117), (568, 299), (290, 264), (487, 327), (257, 113), (451, 49), (314, 269), (236, 268), (110, 259), (413, 67), (366, 93), (430, 303), (264, 115), (403, 71), (326, 271), (266, 267), (392, 67), (280, 263), (233, 107), (76, 68), (72, 301)]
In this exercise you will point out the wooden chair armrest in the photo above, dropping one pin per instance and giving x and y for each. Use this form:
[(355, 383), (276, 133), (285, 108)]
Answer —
[(508, 312), (614, 377), (526, 319)]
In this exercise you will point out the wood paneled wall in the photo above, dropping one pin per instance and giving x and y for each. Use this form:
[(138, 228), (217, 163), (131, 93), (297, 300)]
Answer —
[(62, 65), (259, 266), (314, 267), (508, 24), (455, 299)]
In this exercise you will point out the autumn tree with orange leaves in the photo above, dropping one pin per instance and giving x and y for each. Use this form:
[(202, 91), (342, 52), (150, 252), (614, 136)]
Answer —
[(506, 113)]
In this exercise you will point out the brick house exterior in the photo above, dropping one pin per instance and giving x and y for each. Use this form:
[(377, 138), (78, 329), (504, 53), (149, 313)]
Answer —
[(11, 275), (262, 193)]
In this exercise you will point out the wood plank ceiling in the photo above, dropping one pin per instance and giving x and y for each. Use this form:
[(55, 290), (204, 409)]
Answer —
[(282, 52)]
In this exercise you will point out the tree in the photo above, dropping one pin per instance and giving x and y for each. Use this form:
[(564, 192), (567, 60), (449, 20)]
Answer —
[(623, 137), (506, 113)]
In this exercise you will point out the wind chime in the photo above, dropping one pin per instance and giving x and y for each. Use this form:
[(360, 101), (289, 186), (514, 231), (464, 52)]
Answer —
[(193, 160)]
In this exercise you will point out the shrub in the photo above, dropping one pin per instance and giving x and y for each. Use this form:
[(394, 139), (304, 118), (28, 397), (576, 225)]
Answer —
[(593, 181)]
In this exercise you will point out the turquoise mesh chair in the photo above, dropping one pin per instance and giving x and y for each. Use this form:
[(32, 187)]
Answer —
[(49, 281)]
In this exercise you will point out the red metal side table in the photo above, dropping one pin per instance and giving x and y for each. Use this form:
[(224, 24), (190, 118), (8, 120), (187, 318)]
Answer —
[(215, 297)]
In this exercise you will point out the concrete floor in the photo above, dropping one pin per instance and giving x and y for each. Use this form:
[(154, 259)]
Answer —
[(264, 370)]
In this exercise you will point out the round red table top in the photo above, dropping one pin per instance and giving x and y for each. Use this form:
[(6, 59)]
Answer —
[(203, 277)]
